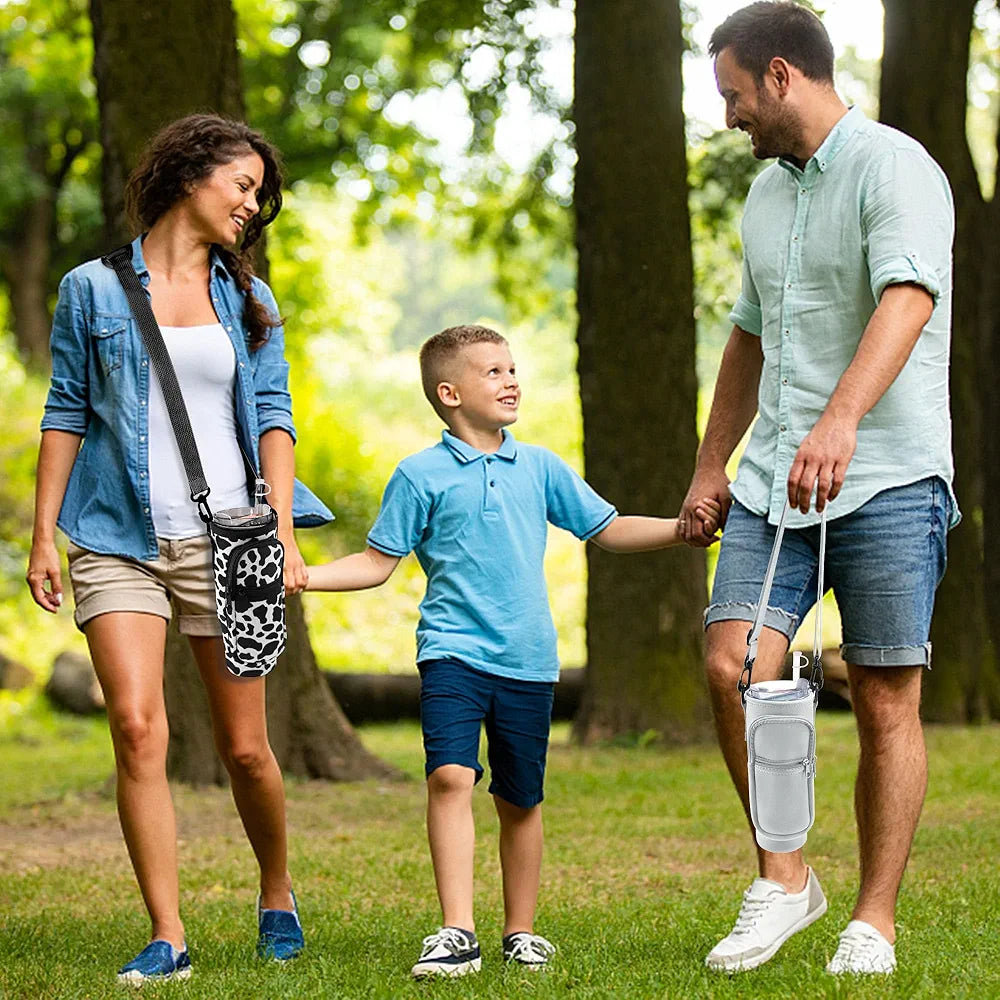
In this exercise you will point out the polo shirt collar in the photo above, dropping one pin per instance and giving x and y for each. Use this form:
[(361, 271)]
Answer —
[(834, 142), (139, 262), (465, 453)]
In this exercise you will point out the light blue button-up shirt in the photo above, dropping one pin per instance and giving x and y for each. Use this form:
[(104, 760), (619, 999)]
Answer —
[(100, 390), (870, 209), (478, 524)]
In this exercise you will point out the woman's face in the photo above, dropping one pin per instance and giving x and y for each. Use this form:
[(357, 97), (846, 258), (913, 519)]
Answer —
[(224, 202)]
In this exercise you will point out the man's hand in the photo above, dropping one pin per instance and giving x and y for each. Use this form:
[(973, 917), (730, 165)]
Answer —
[(821, 462), (709, 483)]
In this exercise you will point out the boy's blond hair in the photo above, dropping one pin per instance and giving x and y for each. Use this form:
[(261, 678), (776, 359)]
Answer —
[(439, 354)]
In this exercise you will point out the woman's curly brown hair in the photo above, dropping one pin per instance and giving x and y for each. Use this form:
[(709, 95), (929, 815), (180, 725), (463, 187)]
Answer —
[(185, 152)]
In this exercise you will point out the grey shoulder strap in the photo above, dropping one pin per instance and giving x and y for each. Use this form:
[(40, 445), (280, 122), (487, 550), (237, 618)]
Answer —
[(753, 636)]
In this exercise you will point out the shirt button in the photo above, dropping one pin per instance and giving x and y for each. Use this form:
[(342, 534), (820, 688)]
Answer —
[(144, 364), (142, 402), (784, 381), (789, 285), (795, 239), (788, 333), (493, 482), (145, 510), (241, 364), (782, 428), (142, 437), (142, 475), (803, 191)]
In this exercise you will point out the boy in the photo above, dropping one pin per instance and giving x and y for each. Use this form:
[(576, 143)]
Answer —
[(475, 509)]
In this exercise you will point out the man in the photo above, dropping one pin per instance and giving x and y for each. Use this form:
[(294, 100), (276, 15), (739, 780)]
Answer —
[(841, 342)]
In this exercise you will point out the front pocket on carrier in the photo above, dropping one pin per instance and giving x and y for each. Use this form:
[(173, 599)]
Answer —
[(782, 766), (250, 600)]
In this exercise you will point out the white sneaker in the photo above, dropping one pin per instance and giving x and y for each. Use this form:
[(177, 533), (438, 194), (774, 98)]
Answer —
[(768, 917), (449, 952), (862, 950), (530, 951)]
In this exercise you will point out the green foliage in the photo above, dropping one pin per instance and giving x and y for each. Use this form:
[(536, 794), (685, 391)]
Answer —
[(48, 123), (647, 854), (27, 633)]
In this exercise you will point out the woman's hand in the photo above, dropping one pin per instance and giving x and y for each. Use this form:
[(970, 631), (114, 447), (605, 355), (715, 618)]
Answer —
[(296, 574), (44, 567)]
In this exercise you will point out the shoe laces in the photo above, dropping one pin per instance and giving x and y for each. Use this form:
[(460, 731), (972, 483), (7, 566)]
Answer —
[(858, 948), (526, 947), (455, 940), (750, 911)]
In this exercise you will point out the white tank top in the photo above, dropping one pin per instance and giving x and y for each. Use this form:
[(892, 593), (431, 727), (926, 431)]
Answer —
[(205, 363)]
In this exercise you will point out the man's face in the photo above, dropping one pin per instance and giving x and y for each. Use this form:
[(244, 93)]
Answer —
[(774, 128)]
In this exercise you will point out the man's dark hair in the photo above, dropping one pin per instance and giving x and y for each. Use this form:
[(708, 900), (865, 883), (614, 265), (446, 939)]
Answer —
[(770, 28)]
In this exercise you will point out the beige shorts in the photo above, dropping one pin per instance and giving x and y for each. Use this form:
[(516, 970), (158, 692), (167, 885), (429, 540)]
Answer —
[(180, 579)]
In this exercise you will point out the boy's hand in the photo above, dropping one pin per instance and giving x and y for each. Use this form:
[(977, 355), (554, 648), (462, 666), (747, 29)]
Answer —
[(709, 512), (710, 483)]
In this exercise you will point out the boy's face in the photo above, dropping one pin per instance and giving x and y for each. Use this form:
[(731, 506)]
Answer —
[(485, 389)]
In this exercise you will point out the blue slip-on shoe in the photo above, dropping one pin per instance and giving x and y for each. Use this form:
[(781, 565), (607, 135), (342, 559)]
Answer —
[(158, 960), (280, 932)]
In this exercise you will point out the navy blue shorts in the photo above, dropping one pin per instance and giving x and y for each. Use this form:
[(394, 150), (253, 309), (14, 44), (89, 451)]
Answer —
[(883, 561), (456, 700)]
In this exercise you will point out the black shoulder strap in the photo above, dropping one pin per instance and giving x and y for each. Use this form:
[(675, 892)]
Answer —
[(120, 261)]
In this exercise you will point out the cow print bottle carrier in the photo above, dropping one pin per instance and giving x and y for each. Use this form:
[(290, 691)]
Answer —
[(781, 726), (247, 558)]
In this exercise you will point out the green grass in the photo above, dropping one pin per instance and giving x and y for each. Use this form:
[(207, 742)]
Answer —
[(646, 858)]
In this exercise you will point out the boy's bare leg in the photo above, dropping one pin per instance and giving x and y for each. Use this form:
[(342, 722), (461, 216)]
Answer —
[(725, 650), (452, 837), (891, 784), (521, 861)]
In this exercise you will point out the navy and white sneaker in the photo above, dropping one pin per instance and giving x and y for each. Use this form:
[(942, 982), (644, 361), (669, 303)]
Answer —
[(280, 934), (449, 952), (159, 960), (529, 951)]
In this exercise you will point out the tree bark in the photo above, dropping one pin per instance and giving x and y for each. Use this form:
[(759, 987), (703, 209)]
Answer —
[(638, 385), (154, 63), (24, 263), (930, 105)]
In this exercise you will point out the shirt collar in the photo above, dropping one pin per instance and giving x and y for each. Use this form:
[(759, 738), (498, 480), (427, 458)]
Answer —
[(834, 142), (465, 453), (139, 262)]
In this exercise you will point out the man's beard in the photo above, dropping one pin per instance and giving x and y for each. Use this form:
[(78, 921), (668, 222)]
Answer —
[(778, 128)]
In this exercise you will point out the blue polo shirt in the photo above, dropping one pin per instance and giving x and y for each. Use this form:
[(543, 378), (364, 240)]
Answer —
[(478, 524)]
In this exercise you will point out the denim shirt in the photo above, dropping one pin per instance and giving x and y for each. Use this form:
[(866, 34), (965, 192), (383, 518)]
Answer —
[(100, 390)]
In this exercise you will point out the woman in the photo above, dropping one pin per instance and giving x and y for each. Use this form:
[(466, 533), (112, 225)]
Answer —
[(110, 468)]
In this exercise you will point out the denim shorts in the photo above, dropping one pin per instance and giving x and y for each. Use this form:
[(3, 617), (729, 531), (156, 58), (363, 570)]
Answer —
[(883, 563), (455, 701)]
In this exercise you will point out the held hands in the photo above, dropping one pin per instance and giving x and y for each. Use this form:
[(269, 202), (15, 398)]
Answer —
[(705, 507), (296, 574), (821, 462), (43, 567)]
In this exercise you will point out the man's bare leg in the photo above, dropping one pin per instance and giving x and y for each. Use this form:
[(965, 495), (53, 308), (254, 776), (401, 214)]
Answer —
[(890, 787), (725, 650)]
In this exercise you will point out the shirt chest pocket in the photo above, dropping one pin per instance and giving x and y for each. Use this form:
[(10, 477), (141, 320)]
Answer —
[(108, 337)]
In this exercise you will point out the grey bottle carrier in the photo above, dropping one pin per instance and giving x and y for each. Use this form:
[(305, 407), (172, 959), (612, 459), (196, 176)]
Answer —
[(781, 728)]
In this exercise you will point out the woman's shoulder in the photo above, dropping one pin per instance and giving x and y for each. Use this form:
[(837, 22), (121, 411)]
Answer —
[(94, 284)]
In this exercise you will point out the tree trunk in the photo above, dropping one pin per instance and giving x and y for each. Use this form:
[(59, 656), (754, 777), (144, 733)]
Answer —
[(24, 263), (309, 734), (154, 63), (931, 106), (638, 385)]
